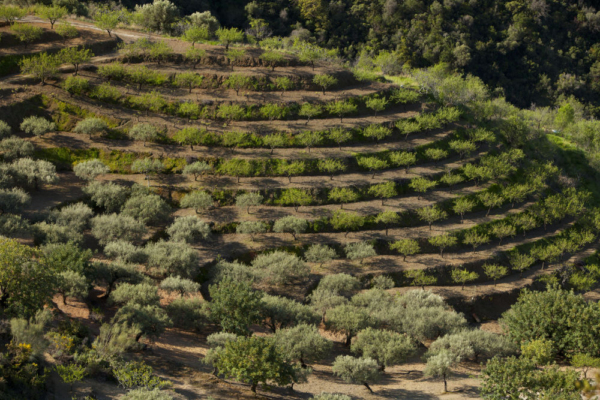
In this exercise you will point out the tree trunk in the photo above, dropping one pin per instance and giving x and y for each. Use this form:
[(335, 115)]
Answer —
[(368, 387), (253, 387), (64, 297), (445, 384)]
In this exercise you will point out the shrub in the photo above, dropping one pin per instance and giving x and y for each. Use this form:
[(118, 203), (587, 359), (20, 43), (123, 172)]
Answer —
[(188, 229), (107, 195), (280, 267), (147, 208), (357, 370), (111, 227), (76, 85), (90, 169), (91, 126), (188, 314), (171, 258), (151, 320), (37, 126), (142, 294), (5, 129)]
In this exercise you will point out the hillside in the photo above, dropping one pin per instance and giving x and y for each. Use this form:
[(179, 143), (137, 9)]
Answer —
[(245, 221)]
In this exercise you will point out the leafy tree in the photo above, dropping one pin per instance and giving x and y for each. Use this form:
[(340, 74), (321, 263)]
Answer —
[(347, 221), (180, 285), (273, 111), (107, 195), (75, 56), (150, 320), (377, 104), (26, 284), (171, 258), (421, 185), (188, 229), (71, 373), (125, 252), (14, 148), (11, 13), (111, 227), (188, 109), (451, 179), (141, 293), (431, 214), (144, 76), (197, 169), (233, 112), (310, 139), (295, 197), (331, 166), (462, 147), (274, 140), (377, 132), (189, 80), (436, 154), (463, 205), (420, 278), (37, 126), (339, 284), (347, 320), (339, 136), (107, 20), (290, 224), (387, 218), (194, 56), (319, 253), (5, 130), (303, 342), (503, 230), (343, 195), (247, 200), (90, 126), (407, 127), (255, 360), (309, 111), (281, 312), (386, 347), (280, 268), (440, 365), (76, 85), (341, 108), (13, 200), (198, 200), (490, 200), (372, 163), (284, 83), (237, 82), (196, 34), (34, 172), (292, 168), (359, 251), (51, 13), (585, 361), (403, 159), (443, 241), (29, 34), (494, 271), (235, 55), (463, 276), (228, 36), (520, 261), (272, 59), (475, 238), (236, 167), (406, 247), (251, 228), (357, 370), (145, 132), (147, 166), (156, 17), (325, 81), (234, 306), (115, 272)]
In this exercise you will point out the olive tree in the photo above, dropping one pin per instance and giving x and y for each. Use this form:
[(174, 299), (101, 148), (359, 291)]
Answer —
[(14, 147), (107, 195), (149, 208), (280, 312), (359, 251), (37, 126), (140, 293), (319, 253), (290, 224), (440, 365), (111, 227), (251, 228), (150, 320), (34, 172), (304, 343), (157, 16), (347, 320), (147, 166), (363, 371), (90, 169), (280, 267), (13, 200), (198, 200), (188, 229), (197, 169), (180, 285), (386, 347), (72, 284), (145, 132), (247, 200), (90, 126), (172, 258)]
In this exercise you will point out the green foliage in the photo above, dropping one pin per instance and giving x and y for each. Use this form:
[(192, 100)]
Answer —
[(386, 347), (280, 312), (110, 227), (406, 247), (137, 374), (76, 85), (463, 276), (348, 320), (290, 224), (347, 221), (341, 108), (280, 268), (272, 59), (359, 251), (234, 306), (156, 17), (325, 81), (357, 370), (228, 36), (443, 241), (303, 342), (27, 34), (37, 126)]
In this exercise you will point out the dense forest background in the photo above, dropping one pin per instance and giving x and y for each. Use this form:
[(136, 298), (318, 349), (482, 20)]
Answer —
[(536, 51)]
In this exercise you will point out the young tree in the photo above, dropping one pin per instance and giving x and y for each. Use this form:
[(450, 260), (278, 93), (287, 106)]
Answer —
[(234, 306), (502, 230), (273, 111), (37, 126), (377, 104), (280, 268), (462, 147), (75, 56), (341, 108), (357, 370), (475, 238), (107, 20), (11, 13), (247, 200), (52, 14), (403, 159), (331, 166), (28, 34), (386, 347), (91, 126), (431, 214), (440, 365), (112, 227), (303, 342), (198, 200), (343, 195), (13, 200), (421, 185), (274, 140), (34, 172), (377, 132), (443, 241), (5, 130), (284, 83), (189, 80), (372, 163), (237, 82), (463, 276), (76, 85), (235, 55), (339, 136), (236, 167), (494, 271), (490, 200), (172, 258), (180, 285), (290, 169), (272, 59), (463, 205), (346, 221), (309, 139), (145, 132), (251, 228), (309, 111), (520, 261), (420, 278), (188, 229), (387, 218), (194, 56), (436, 154), (291, 225), (13, 148), (451, 179), (325, 81), (406, 247), (255, 360), (196, 34), (359, 251), (197, 169), (147, 166), (347, 320), (407, 127), (319, 253), (233, 112), (227, 36), (141, 293), (295, 197)]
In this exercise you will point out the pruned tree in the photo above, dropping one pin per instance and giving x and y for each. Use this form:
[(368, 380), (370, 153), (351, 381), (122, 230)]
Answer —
[(421, 278), (304, 343), (37, 126), (290, 224), (462, 276), (347, 221), (384, 191), (341, 108), (247, 200), (372, 163), (377, 132), (180, 285), (197, 169), (421, 185), (319, 253), (387, 218), (251, 228), (443, 241), (431, 214), (148, 166), (403, 159), (228, 36), (339, 136), (75, 56), (90, 169), (343, 195), (406, 247), (347, 320), (189, 229), (363, 371), (494, 271), (359, 251), (144, 132), (280, 268), (188, 80), (309, 110), (200, 201), (463, 205), (325, 81), (111, 227), (386, 347), (272, 59)]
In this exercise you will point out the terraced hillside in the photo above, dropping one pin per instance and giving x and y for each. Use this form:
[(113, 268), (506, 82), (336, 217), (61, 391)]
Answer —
[(228, 169)]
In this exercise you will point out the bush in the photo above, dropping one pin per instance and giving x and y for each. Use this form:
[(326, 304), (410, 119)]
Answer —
[(90, 169), (147, 208), (14, 147), (91, 126), (143, 294), (107, 195), (172, 258), (156, 17), (76, 85), (111, 227), (188, 314), (5, 129), (188, 229), (37, 126), (280, 268)]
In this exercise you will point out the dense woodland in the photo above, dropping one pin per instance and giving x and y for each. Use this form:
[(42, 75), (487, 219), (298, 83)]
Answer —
[(265, 182)]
